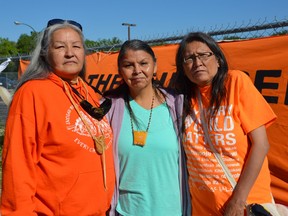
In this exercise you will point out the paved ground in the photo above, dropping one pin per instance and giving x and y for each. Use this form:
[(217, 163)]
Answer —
[(3, 112), (3, 116)]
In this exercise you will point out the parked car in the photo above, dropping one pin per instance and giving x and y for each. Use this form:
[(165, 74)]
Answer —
[(7, 83)]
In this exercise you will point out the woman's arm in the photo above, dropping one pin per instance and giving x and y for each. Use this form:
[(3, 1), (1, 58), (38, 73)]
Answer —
[(19, 156), (252, 167)]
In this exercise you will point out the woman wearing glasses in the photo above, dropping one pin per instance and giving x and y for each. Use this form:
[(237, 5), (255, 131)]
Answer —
[(225, 119), (57, 155), (150, 167)]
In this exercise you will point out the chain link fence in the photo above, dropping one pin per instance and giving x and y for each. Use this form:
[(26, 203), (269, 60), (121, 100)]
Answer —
[(236, 31), (258, 29)]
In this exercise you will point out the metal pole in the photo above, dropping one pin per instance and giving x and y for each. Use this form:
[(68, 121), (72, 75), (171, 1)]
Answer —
[(129, 32), (128, 25), (21, 23)]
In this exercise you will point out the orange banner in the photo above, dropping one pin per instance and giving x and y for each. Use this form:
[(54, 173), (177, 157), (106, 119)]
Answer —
[(23, 64), (266, 62)]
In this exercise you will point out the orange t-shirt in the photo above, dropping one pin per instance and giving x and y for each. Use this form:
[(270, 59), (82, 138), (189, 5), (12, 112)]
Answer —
[(50, 166), (245, 110)]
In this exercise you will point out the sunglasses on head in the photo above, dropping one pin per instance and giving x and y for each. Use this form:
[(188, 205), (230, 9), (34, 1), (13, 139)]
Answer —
[(61, 21), (95, 112)]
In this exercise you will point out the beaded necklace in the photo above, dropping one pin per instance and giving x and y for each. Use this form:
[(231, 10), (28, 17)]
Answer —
[(139, 137)]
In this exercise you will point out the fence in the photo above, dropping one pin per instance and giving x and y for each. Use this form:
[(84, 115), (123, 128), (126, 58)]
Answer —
[(260, 28)]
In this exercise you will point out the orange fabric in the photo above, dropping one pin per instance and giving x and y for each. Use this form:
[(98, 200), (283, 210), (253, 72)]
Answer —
[(23, 64), (99, 66), (49, 162), (264, 59), (245, 111)]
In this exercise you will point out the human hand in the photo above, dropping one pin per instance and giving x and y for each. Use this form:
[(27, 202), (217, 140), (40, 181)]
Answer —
[(235, 208)]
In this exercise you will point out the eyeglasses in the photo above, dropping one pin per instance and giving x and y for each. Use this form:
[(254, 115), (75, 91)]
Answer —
[(61, 21), (95, 112), (201, 56)]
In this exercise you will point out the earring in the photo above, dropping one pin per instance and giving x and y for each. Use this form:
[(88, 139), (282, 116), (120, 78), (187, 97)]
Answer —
[(154, 74)]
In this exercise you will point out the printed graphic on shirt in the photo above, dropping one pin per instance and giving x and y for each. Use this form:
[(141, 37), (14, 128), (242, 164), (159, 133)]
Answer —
[(97, 128), (204, 171)]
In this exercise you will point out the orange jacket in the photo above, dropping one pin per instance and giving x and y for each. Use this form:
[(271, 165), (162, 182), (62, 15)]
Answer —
[(50, 166)]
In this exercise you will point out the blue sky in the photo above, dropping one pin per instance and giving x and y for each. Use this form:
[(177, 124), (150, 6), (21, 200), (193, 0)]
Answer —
[(154, 18)]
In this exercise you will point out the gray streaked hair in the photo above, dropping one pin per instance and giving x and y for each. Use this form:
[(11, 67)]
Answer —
[(39, 67)]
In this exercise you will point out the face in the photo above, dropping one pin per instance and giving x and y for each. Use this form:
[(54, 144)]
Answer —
[(137, 68), (200, 72), (66, 53)]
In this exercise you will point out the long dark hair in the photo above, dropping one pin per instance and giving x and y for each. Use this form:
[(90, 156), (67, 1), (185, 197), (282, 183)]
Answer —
[(184, 86)]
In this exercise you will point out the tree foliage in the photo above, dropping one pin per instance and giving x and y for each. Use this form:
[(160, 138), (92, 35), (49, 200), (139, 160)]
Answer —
[(26, 43), (102, 44), (7, 48)]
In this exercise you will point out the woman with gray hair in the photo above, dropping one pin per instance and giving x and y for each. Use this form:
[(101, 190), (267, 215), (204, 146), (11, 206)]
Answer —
[(57, 155)]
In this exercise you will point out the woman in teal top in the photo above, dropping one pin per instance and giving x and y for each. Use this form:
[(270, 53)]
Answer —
[(146, 120)]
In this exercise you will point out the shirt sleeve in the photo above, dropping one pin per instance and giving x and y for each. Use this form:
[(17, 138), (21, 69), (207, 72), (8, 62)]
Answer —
[(254, 111), (19, 159)]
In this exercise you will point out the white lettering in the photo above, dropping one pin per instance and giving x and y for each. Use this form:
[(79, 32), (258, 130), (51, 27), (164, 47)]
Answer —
[(228, 123), (230, 139), (219, 139)]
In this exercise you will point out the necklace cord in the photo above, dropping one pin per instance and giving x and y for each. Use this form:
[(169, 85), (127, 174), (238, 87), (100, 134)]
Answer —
[(139, 137), (97, 112), (150, 115), (99, 143)]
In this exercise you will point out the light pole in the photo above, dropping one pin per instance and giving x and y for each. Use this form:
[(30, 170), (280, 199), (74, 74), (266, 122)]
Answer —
[(21, 23), (128, 24)]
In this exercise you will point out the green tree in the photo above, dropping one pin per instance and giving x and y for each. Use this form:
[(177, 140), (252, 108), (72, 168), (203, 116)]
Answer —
[(26, 43), (8, 49), (103, 44)]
